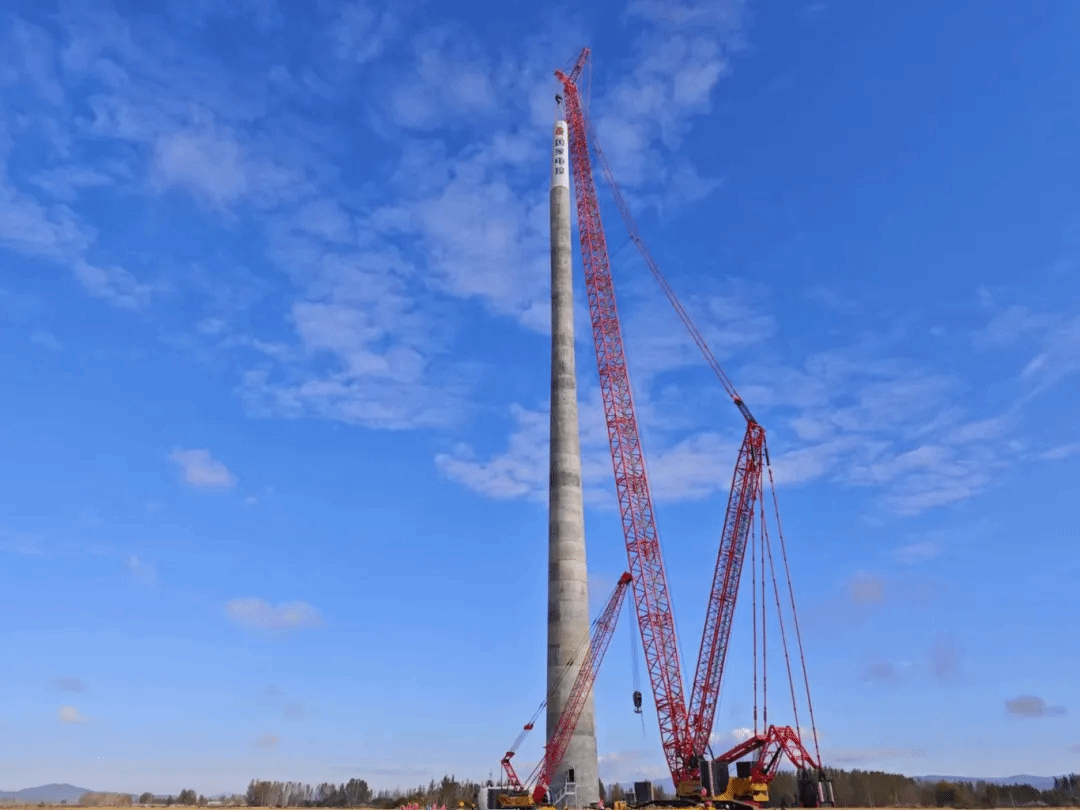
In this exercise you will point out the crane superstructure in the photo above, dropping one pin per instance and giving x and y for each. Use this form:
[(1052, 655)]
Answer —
[(685, 728)]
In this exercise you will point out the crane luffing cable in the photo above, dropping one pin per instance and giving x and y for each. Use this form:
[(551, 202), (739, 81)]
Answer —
[(684, 732)]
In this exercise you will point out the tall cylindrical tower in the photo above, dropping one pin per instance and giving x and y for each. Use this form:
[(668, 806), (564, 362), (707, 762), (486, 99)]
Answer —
[(568, 591)]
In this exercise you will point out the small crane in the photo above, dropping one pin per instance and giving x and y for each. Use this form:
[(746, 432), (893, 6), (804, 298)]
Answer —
[(521, 794)]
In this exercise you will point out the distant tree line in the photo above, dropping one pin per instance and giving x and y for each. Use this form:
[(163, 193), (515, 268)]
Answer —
[(356, 793), (855, 788), (186, 797)]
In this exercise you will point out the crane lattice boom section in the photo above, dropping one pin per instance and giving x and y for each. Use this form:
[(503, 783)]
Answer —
[(650, 586), (575, 703), (745, 491)]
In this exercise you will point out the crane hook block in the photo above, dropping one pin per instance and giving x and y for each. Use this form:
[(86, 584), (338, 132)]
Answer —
[(637, 701)]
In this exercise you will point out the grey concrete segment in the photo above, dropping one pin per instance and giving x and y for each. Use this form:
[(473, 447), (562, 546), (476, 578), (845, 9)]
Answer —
[(568, 589)]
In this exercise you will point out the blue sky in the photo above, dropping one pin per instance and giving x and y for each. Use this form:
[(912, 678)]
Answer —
[(274, 405)]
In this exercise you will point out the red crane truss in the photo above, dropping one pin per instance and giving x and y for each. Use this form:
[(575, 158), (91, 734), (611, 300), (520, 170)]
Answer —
[(684, 733), (746, 488), (650, 587), (604, 628)]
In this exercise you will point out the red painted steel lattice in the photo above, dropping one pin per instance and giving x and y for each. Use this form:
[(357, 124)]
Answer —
[(650, 586), (684, 731)]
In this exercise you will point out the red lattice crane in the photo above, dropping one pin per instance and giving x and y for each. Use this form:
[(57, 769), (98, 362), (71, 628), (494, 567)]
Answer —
[(603, 628), (684, 730), (651, 595)]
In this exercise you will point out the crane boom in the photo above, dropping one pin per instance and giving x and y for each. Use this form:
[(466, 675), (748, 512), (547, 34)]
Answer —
[(745, 490), (650, 587), (738, 519), (568, 720), (604, 627)]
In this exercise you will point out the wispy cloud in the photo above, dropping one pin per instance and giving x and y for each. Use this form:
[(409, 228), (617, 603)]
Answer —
[(1062, 451), (1051, 340), (258, 614), (201, 470), (1032, 706), (364, 322)]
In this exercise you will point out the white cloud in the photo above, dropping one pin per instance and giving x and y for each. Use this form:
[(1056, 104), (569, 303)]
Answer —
[(632, 765), (688, 469), (70, 715), (191, 126), (725, 740), (1054, 338), (1062, 451), (844, 416), (450, 78), (258, 614), (31, 228), (201, 470), (362, 32), (207, 163), (114, 284), (681, 52)]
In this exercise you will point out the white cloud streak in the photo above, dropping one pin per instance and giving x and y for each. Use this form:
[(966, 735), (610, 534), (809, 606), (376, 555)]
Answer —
[(199, 469)]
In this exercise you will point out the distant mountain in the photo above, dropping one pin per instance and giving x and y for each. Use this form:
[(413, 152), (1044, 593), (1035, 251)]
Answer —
[(1038, 782), (50, 794)]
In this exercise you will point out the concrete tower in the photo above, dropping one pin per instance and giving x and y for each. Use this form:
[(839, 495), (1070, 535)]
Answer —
[(568, 592)]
